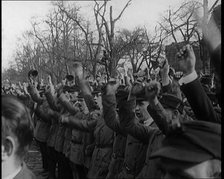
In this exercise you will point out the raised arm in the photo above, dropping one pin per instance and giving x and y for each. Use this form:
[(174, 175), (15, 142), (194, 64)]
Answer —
[(34, 93), (110, 114), (82, 124), (67, 104), (193, 90)]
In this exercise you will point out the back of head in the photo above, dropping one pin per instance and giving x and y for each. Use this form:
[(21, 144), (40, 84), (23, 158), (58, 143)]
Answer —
[(193, 143), (16, 123)]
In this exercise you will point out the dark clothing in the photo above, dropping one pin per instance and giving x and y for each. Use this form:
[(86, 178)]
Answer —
[(149, 135), (112, 118), (44, 154), (135, 154), (200, 102), (104, 137)]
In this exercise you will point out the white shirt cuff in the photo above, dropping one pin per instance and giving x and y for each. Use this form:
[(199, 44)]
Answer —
[(189, 78)]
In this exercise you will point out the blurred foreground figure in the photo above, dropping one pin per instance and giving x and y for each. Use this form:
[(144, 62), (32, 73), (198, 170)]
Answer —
[(192, 151), (17, 135)]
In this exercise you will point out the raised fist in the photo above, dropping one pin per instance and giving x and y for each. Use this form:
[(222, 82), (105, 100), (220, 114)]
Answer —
[(112, 86), (152, 90), (186, 59)]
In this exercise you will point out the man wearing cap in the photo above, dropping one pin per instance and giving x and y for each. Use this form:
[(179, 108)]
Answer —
[(103, 135), (42, 127), (128, 152), (163, 118), (191, 151)]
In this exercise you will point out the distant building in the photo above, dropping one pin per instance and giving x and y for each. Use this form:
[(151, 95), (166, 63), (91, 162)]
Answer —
[(171, 51)]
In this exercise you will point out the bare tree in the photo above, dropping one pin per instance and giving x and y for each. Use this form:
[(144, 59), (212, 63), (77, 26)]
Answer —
[(109, 38)]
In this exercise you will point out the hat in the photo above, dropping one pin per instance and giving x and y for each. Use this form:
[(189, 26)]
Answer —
[(96, 91), (171, 101), (71, 89), (195, 142), (33, 73), (69, 77)]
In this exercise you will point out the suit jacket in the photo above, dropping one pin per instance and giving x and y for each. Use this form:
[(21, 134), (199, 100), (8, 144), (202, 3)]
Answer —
[(200, 102)]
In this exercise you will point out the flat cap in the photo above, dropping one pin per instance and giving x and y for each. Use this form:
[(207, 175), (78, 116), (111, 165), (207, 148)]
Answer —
[(194, 142), (171, 101), (69, 77), (33, 73)]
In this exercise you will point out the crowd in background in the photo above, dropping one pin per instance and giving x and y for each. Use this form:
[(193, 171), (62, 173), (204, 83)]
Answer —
[(164, 126)]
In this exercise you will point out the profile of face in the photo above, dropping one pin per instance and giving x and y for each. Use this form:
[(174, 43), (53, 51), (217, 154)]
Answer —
[(173, 117), (98, 99)]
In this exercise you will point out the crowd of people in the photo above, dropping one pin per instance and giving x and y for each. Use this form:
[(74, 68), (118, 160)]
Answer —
[(160, 127)]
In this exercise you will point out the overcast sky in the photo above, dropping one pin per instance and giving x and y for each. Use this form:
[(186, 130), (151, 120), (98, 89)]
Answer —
[(16, 16)]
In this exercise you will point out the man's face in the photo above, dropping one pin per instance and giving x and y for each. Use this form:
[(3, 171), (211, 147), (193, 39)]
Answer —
[(98, 99), (141, 110), (173, 117)]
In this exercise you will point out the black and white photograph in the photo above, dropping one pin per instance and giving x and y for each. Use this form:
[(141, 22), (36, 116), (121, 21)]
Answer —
[(111, 89)]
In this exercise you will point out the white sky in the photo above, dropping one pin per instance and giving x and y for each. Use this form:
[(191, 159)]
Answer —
[(16, 16)]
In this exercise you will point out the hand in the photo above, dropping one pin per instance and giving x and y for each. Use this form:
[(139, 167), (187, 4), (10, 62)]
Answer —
[(78, 70), (112, 86), (64, 119), (187, 59), (152, 90), (63, 82), (164, 71), (137, 87)]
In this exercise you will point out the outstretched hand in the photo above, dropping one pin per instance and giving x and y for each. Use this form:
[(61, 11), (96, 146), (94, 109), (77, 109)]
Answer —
[(186, 59)]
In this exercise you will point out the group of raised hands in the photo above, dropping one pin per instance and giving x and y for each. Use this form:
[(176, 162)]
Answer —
[(186, 60)]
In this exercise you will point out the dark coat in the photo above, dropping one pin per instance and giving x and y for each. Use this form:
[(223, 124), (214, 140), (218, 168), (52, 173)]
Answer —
[(55, 107), (112, 120), (149, 135), (104, 137), (77, 148), (200, 102)]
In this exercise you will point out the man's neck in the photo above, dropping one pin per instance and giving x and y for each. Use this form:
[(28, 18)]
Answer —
[(10, 167)]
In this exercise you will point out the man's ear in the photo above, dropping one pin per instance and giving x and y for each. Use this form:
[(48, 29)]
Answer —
[(8, 147)]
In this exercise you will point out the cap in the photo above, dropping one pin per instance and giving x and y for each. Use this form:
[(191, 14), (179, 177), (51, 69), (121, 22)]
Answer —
[(171, 101), (195, 142), (33, 73), (69, 77)]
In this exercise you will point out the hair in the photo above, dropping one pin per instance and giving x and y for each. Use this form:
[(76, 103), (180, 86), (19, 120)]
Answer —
[(16, 122)]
